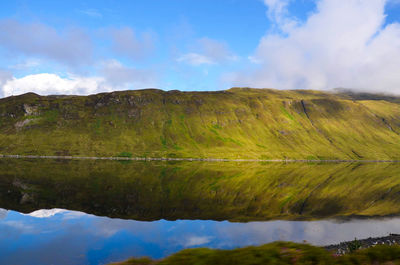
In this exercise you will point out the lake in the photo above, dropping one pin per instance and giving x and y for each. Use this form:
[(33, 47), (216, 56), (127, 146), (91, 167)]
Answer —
[(119, 209)]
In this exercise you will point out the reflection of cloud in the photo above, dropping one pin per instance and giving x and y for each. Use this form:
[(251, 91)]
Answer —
[(67, 215), (255, 233), (323, 232), (45, 248), (86, 237), (331, 232), (197, 241), (45, 213), (107, 227), (20, 226), (3, 213), (315, 231)]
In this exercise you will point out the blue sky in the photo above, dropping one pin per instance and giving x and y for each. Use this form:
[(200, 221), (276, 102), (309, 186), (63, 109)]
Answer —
[(83, 47)]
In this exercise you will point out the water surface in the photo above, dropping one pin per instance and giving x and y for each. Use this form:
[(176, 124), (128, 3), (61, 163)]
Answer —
[(68, 237), (158, 208)]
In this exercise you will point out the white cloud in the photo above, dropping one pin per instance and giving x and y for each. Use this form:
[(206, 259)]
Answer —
[(342, 44), (278, 14), (208, 51), (48, 84), (113, 76), (72, 46)]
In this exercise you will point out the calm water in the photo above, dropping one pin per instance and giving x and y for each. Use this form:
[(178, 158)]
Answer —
[(160, 208), (68, 237)]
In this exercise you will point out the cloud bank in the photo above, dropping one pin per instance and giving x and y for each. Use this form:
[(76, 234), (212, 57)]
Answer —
[(342, 44), (72, 47), (114, 77), (51, 84)]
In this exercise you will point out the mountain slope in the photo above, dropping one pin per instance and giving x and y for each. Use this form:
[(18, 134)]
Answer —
[(237, 123)]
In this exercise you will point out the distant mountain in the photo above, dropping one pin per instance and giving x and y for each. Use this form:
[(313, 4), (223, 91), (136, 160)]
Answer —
[(236, 123)]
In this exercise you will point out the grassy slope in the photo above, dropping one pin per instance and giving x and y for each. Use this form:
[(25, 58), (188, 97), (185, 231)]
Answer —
[(237, 123), (199, 190), (275, 253)]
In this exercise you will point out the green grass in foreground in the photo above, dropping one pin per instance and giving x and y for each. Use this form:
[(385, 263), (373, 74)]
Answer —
[(274, 253)]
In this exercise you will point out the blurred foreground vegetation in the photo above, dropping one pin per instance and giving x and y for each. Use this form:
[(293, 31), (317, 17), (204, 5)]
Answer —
[(275, 253)]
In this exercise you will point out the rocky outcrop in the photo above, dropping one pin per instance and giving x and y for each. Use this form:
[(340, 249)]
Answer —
[(351, 246)]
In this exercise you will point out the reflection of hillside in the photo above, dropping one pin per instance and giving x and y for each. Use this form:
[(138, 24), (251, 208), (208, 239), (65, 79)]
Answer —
[(196, 190)]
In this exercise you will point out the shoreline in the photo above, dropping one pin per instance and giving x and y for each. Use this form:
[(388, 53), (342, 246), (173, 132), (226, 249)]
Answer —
[(198, 159), (349, 246)]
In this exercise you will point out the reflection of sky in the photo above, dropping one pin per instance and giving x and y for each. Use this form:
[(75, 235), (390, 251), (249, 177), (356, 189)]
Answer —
[(67, 237)]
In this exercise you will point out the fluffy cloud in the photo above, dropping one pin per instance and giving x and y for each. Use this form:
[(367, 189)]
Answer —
[(47, 84), (278, 14), (208, 51), (72, 47), (342, 44), (126, 43), (113, 76)]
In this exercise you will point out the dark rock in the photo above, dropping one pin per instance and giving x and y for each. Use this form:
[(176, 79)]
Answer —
[(348, 246)]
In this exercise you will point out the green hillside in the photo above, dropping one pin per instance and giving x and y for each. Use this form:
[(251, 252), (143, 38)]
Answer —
[(237, 123)]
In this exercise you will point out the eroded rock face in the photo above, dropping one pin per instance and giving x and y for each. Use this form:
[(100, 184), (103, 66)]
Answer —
[(26, 198), (19, 125), (30, 110)]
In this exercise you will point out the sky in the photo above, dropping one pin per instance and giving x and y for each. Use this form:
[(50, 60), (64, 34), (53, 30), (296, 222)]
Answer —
[(86, 47)]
